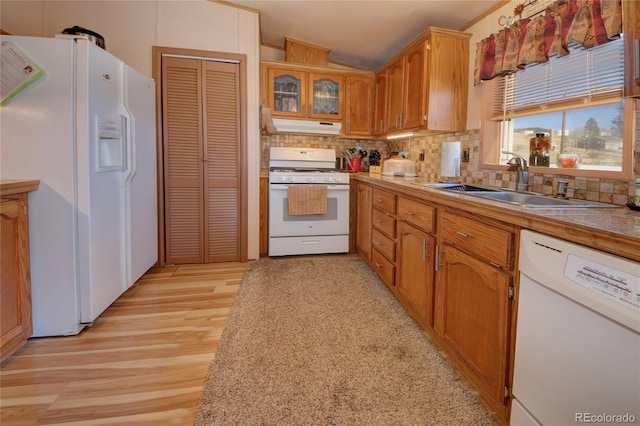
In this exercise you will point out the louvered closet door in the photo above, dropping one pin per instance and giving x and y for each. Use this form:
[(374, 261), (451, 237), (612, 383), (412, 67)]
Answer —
[(201, 104), (222, 161), (183, 171)]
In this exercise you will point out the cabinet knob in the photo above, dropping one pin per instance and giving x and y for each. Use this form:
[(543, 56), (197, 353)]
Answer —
[(462, 234)]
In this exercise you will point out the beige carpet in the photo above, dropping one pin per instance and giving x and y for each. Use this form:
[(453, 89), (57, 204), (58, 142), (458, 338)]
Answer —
[(322, 341)]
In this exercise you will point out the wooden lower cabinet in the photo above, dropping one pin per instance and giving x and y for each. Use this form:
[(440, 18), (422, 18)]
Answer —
[(363, 220), (15, 284), (385, 269), (473, 319), (383, 236), (454, 273), (415, 271), (264, 215)]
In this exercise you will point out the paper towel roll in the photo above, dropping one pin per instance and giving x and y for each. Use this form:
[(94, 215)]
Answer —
[(450, 160), (266, 121)]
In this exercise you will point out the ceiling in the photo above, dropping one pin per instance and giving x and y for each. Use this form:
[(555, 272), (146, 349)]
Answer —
[(360, 33)]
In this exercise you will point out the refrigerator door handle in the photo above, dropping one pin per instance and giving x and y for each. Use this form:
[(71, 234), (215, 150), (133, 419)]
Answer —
[(129, 157)]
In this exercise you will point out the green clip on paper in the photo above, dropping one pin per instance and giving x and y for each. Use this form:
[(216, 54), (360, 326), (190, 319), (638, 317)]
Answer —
[(18, 71)]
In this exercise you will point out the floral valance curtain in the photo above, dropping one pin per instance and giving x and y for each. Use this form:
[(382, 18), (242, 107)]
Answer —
[(530, 40)]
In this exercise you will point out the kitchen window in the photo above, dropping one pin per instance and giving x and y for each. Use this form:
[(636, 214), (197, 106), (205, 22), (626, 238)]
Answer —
[(576, 101)]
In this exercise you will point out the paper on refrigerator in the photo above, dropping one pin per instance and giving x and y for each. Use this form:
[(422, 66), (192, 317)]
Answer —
[(18, 71)]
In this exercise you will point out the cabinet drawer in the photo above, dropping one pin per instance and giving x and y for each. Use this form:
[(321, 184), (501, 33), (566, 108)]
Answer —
[(384, 222), (384, 200), (383, 244), (478, 239), (383, 267), (416, 213)]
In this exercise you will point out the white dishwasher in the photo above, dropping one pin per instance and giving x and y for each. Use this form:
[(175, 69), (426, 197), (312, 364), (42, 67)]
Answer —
[(577, 357)]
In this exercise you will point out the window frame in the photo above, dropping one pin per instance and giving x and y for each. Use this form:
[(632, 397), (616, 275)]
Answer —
[(491, 139)]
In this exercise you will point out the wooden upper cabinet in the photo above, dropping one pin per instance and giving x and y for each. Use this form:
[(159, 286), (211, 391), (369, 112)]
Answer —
[(447, 80), (380, 102), (413, 114), (319, 93), (427, 84), (296, 93), (395, 94), (358, 111), (326, 96), (305, 53), (424, 87), (631, 30), (287, 90), (406, 105)]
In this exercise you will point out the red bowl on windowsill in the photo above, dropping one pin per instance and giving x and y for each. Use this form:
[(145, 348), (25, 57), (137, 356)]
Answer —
[(568, 161)]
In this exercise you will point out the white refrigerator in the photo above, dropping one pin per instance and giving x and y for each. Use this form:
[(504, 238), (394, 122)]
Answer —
[(86, 129)]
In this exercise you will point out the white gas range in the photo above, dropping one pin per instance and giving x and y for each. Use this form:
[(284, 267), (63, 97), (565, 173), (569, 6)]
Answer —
[(317, 218)]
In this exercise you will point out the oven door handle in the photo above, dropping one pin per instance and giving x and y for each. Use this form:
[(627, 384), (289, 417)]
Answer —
[(329, 187)]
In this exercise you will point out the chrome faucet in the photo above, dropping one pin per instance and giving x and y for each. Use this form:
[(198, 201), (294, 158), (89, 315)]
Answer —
[(522, 170), (563, 185)]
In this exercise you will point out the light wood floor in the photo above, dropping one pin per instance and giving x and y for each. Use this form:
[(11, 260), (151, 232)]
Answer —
[(143, 361)]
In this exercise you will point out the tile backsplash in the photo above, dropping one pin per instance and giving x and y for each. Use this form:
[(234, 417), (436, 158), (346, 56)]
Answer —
[(610, 191), (313, 141)]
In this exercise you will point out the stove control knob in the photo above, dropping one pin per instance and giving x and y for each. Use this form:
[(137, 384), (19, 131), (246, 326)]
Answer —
[(311, 179)]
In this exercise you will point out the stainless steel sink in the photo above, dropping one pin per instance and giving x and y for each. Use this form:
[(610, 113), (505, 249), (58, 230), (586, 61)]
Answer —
[(539, 200), (457, 187), (525, 199)]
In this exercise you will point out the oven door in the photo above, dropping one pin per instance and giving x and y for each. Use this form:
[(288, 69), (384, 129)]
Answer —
[(334, 222)]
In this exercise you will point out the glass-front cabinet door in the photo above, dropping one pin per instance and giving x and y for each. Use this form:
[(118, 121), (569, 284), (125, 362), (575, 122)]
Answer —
[(287, 92), (326, 93)]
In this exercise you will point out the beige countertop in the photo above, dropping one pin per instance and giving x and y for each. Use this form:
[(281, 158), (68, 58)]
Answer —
[(613, 230), (11, 187)]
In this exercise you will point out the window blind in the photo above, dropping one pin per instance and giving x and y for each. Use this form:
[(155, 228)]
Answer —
[(585, 76)]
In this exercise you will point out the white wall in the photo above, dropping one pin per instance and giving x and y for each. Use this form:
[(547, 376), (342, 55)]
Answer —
[(131, 28)]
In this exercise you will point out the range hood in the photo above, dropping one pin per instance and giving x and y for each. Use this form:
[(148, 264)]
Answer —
[(307, 126)]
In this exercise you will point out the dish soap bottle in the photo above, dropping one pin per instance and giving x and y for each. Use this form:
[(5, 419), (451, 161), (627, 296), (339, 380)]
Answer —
[(539, 148)]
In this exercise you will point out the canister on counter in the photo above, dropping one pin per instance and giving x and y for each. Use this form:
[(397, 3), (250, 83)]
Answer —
[(539, 150)]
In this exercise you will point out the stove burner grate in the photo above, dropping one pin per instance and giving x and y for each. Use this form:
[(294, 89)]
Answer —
[(303, 170)]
